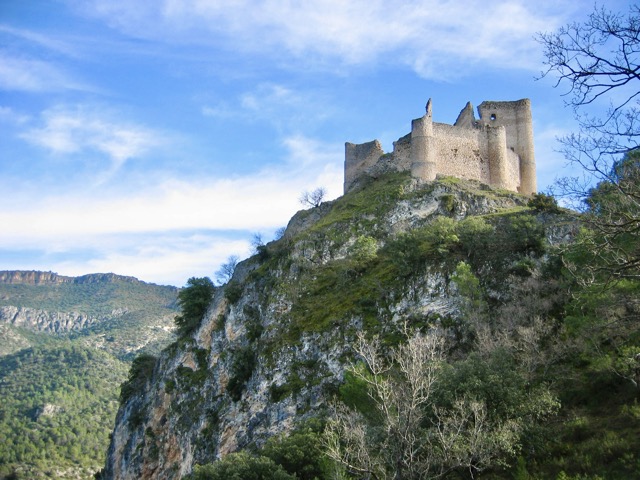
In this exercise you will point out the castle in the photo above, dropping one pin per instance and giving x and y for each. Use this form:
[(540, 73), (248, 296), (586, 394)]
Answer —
[(496, 149)]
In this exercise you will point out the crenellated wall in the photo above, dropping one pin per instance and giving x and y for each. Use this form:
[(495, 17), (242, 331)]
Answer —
[(496, 149)]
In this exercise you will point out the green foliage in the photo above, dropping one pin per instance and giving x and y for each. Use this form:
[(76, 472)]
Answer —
[(194, 300), (233, 291), (241, 466), (252, 323), (468, 284), (364, 249), (301, 453), (58, 407), (543, 203), (139, 374), (242, 366), (354, 393), (292, 386), (448, 202)]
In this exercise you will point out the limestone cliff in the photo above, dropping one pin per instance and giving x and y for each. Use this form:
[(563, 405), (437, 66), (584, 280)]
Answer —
[(275, 341), (51, 322)]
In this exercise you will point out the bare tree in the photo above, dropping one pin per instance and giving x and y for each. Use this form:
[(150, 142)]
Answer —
[(599, 61), (224, 274), (593, 59), (314, 198), (401, 400), (419, 427)]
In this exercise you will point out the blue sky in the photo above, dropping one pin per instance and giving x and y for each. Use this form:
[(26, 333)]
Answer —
[(153, 138)]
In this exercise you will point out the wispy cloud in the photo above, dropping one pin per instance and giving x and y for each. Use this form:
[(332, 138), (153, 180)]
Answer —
[(69, 130), (282, 106), (29, 38), (33, 75), (142, 232), (163, 259), (8, 114), (433, 37)]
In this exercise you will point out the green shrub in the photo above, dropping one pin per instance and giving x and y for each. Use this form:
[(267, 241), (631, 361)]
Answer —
[(541, 202), (141, 371), (194, 301), (241, 466), (233, 291), (448, 203), (252, 324), (301, 453), (244, 362)]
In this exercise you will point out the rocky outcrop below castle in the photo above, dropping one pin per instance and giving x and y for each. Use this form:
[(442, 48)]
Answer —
[(273, 346), (50, 322)]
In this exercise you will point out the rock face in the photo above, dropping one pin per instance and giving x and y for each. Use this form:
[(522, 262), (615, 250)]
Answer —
[(49, 322), (266, 356)]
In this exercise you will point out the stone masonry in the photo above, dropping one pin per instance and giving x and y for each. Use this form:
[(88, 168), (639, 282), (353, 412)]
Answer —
[(496, 149)]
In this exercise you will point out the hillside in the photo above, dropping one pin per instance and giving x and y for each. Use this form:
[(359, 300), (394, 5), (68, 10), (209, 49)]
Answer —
[(121, 315), (66, 346), (276, 346)]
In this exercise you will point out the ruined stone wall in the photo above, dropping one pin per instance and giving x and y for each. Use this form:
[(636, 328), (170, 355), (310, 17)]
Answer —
[(358, 158), (402, 152), (496, 149), (461, 152)]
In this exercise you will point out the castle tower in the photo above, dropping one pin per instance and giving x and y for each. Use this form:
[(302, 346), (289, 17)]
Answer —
[(497, 150), (517, 120), (423, 159)]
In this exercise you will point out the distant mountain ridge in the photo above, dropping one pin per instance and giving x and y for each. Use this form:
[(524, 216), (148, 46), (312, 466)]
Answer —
[(117, 313), (36, 277)]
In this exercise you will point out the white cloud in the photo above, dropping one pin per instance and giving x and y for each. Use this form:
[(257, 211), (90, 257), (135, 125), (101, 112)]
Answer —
[(70, 130), (30, 75), (173, 229), (48, 42), (8, 114), (283, 107), (435, 38), (162, 259), (258, 201)]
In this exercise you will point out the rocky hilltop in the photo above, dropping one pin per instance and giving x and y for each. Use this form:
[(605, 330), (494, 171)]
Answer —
[(272, 349), (34, 277)]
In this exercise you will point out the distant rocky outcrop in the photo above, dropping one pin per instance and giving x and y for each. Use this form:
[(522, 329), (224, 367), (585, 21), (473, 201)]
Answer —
[(34, 277), (50, 322)]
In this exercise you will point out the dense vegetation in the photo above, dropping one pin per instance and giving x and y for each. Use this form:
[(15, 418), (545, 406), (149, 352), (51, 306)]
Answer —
[(57, 410), (60, 391)]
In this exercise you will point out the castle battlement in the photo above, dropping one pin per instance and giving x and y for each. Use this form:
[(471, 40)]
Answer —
[(496, 149)]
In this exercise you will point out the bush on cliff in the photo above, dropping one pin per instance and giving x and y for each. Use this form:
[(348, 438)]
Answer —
[(194, 300)]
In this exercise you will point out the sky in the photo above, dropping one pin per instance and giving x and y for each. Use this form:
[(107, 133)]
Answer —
[(155, 138)]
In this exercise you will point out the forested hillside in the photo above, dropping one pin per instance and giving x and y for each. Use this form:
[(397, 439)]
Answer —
[(67, 344)]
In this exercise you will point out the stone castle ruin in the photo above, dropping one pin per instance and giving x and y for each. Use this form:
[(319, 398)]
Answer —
[(496, 149)]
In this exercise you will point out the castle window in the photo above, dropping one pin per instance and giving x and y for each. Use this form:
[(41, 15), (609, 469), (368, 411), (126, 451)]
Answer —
[(493, 116)]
